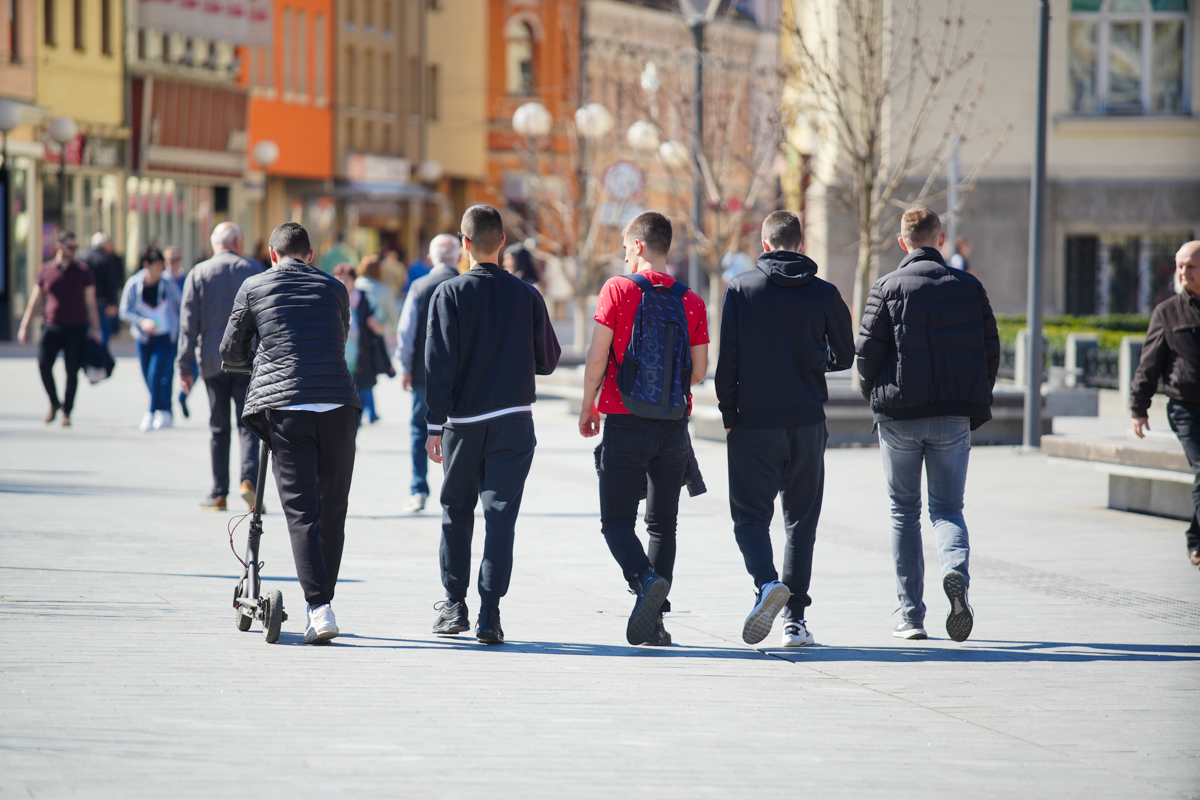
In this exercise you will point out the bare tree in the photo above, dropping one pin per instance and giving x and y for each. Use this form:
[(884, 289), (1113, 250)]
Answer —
[(890, 95)]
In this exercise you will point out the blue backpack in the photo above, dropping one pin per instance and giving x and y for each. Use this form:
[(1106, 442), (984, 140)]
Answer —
[(655, 376)]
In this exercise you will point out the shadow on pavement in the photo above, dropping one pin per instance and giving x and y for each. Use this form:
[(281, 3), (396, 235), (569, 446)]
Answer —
[(547, 648), (1005, 652)]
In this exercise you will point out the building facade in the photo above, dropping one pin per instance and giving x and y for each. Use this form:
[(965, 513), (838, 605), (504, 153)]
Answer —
[(18, 84), (1123, 155)]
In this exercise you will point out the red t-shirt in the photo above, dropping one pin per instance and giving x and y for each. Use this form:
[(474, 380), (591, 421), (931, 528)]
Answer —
[(63, 288), (617, 308)]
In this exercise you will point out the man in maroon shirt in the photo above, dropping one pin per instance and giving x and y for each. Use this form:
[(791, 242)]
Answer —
[(69, 290)]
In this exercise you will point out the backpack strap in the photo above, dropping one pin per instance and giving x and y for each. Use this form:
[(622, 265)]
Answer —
[(679, 290), (641, 281)]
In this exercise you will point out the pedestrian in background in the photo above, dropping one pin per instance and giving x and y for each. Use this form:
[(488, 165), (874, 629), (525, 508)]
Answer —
[(67, 288), (444, 252), (489, 334), (646, 443), (208, 293), (150, 305), (395, 273), (364, 341), (303, 402), (109, 272), (173, 257), (933, 325), (962, 254), (383, 299), (340, 253), (1171, 354), (519, 262), (782, 329)]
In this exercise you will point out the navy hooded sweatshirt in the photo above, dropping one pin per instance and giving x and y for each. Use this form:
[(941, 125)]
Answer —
[(782, 329)]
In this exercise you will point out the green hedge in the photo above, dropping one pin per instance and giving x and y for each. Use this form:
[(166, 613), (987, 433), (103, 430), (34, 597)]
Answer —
[(1109, 329)]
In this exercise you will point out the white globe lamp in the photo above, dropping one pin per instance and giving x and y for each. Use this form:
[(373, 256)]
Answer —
[(532, 120), (643, 136)]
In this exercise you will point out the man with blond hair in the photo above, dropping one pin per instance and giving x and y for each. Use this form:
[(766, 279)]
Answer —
[(932, 324), (444, 252), (1172, 354), (208, 294)]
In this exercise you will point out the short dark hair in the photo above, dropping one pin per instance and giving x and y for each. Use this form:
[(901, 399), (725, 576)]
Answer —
[(151, 255), (290, 239), (653, 230), (483, 226), (920, 226), (64, 236), (781, 230)]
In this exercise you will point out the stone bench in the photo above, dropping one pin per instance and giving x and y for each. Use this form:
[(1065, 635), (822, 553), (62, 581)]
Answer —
[(1149, 476)]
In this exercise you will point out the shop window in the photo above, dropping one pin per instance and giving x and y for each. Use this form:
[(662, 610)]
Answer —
[(1082, 258), (1128, 56), (519, 58), (1122, 274)]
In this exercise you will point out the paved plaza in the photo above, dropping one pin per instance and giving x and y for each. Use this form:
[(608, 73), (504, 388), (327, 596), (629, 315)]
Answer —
[(122, 674)]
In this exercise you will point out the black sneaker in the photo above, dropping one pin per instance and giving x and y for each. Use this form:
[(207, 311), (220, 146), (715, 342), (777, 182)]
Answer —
[(488, 629), (183, 404), (451, 619), (960, 620), (651, 589), (660, 637)]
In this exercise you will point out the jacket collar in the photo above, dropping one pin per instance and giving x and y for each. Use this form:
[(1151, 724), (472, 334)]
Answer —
[(446, 267), (923, 254), (296, 263), (491, 268)]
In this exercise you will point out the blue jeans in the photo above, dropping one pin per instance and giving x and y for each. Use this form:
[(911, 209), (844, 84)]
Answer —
[(368, 404), (1186, 424), (158, 368), (944, 445), (420, 432), (108, 326)]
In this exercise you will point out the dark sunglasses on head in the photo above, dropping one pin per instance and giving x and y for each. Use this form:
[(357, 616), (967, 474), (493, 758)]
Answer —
[(462, 237)]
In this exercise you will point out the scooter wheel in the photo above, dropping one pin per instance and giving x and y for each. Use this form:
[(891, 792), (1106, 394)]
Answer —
[(242, 619), (273, 616)]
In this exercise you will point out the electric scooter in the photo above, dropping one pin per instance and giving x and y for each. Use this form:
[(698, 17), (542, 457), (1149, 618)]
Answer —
[(248, 602)]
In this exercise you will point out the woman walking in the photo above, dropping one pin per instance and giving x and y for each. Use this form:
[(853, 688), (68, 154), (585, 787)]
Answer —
[(150, 305), (366, 353)]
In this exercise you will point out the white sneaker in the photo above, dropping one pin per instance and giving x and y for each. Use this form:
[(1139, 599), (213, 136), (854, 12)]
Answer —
[(416, 504), (772, 597), (162, 419), (795, 634), (910, 630), (147, 422), (322, 625)]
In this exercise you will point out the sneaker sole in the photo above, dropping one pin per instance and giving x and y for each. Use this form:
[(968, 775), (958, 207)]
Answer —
[(762, 618), (644, 619), (910, 634), (483, 639), (452, 630), (960, 620), (806, 643), (321, 636)]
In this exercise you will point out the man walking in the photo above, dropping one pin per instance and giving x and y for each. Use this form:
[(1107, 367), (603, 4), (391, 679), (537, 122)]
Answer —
[(208, 294), (301, 400), (782, 329), (68, 289), (109, 273), (1172, 354), (932, 324), (444, 252), (489, 334), (649, 347)]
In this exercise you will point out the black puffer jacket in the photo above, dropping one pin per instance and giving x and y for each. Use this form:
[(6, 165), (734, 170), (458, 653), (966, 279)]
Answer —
[(928, 344), (1171, 353), (301, 317)]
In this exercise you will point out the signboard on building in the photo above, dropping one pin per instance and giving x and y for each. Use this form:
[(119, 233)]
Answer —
[(378, 169), (237, 21)]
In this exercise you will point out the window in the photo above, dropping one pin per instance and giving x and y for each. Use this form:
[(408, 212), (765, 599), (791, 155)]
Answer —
[(351, 76), (385, 17), (1128, 56), (386, 82), (519, 58), (106, 27), (320, 77), (14, 34), (431, 90), (49, 23), (414, 87), (80, 41), (286, 67), (368, 80), (1120, 273), (301, 55)]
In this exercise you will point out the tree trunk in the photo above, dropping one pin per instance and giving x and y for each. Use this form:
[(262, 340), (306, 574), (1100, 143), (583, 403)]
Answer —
[(862, 274), (580, 343), (715, 298)]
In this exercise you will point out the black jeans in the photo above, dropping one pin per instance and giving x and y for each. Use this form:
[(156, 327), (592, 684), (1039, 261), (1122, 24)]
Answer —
[(488, 462), (222, 390), (790, 463), (1186, 424), (70, 339), (312, 456), (639, 453)]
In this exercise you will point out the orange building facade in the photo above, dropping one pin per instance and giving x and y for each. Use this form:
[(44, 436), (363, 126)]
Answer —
[(291, 83)]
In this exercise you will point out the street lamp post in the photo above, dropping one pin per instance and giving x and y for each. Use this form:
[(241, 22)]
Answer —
[(10, 115), (697, 24), (1033, 312), (266, 153), (533, 121), (63, 130)]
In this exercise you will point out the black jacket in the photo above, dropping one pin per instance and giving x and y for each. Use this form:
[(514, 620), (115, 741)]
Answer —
[(109, 272), (782, 329), (1171, 353), (928, 344), (301, 317), (488, 335)]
